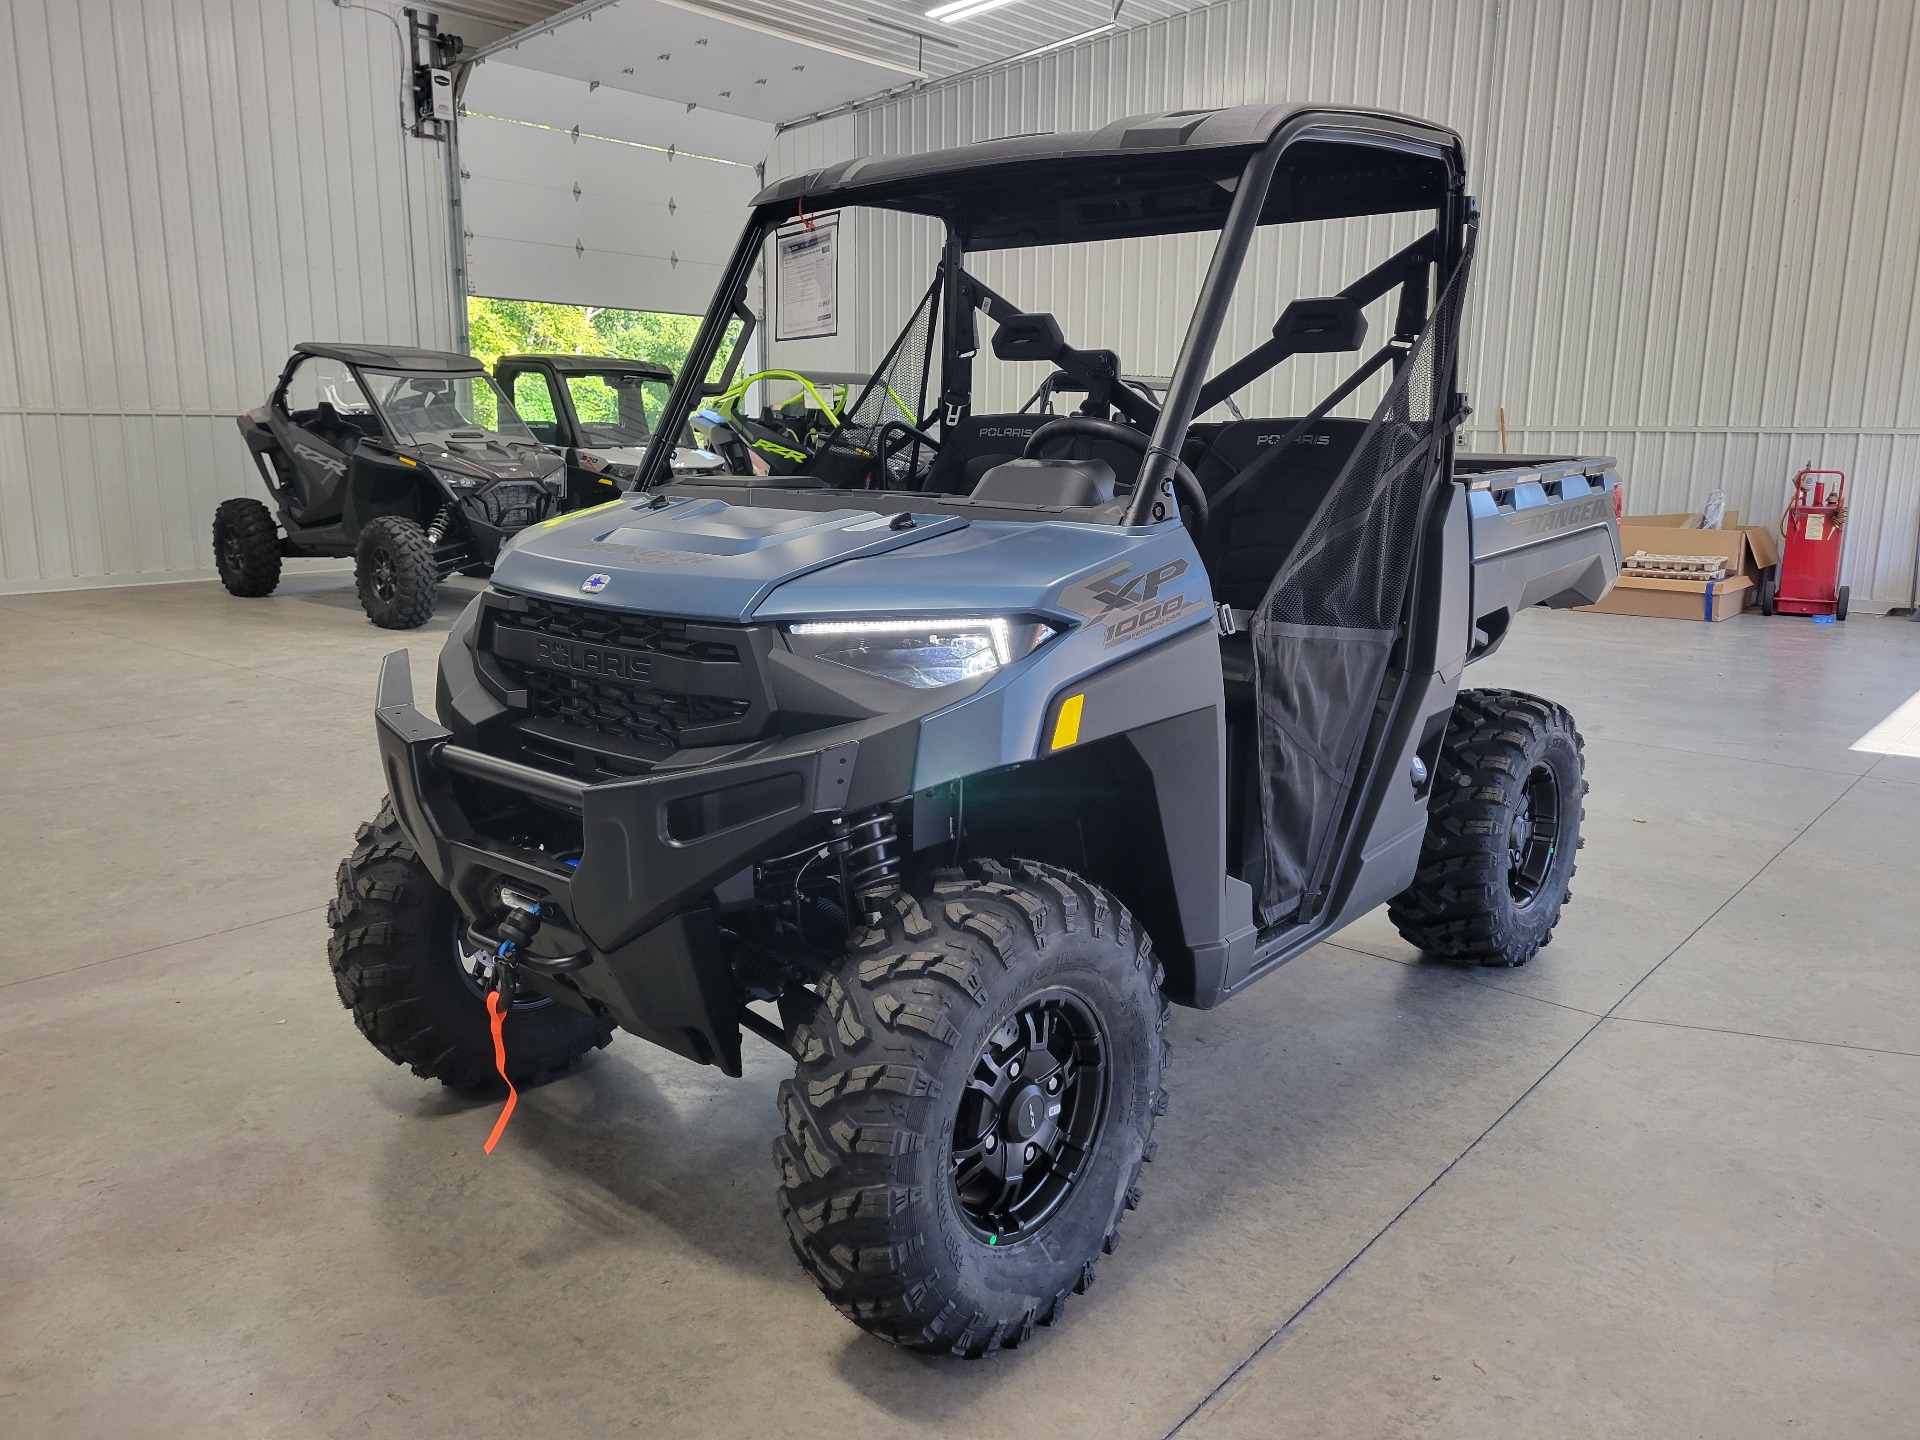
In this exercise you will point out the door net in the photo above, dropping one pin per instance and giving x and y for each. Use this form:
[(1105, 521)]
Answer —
[(1325, 629), (897, 391)]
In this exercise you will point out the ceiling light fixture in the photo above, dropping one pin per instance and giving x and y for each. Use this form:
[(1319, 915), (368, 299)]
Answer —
[(955, 11)]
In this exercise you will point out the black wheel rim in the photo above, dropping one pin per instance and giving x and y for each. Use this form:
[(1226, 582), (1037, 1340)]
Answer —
[(1533, 837), (233, 553), (473, 974), (381, 578), (1029, 1118)]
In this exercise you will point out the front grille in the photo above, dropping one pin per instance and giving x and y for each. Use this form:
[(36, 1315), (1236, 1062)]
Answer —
[(694, 688), (514, 506), (651, 633), (625, 712)]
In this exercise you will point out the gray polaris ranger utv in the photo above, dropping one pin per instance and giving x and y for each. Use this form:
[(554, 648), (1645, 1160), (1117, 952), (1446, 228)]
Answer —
[(946, 765)]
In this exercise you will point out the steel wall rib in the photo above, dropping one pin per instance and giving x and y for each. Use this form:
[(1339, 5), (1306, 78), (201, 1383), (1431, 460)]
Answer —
[(187, 187), (1701, 249)]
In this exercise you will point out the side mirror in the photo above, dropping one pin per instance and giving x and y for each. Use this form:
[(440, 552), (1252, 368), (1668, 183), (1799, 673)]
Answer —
[(1321, 326), (1029, 337)]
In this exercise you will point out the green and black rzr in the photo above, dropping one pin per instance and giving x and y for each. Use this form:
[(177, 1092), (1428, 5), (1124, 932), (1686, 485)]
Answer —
[(797, 415)]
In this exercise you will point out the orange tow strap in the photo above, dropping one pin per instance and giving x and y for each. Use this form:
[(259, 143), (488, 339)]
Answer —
[(497, 1013)]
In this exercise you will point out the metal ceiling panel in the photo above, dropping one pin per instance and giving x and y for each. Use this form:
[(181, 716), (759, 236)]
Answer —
[(698, 57), (901, 31)]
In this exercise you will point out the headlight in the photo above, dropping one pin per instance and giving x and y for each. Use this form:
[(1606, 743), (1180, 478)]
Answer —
[(925, 654), (457, 482)]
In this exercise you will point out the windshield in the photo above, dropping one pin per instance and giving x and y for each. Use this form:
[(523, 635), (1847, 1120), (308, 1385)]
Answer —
[(431, 409), (972, 351), (617, 407)]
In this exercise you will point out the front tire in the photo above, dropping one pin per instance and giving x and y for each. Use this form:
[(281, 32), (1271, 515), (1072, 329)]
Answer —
[(1503, 827), (246, 548), (1021, 1004), (394, 572), (397, 966)]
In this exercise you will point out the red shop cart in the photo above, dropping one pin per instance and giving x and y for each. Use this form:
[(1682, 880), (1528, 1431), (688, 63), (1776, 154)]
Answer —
[(1808, 579)]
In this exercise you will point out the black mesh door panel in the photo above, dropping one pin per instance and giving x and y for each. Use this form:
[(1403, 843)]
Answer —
[(1325, 630)]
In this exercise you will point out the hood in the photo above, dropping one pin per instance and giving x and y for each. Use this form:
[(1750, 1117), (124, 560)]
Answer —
[(489, 459), (701, 559)]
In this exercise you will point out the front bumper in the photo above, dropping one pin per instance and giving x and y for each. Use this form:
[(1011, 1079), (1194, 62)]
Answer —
[(650, 852)]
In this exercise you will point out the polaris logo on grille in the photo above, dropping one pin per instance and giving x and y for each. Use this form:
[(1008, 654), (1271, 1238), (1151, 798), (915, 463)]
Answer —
[(600, 661), (595, 583)]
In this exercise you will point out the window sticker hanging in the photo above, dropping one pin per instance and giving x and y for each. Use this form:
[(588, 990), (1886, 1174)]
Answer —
[(807, 279)]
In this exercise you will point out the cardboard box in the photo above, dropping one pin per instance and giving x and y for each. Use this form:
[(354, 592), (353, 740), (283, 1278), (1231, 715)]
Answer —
[(1749, 550), (1679, 599)]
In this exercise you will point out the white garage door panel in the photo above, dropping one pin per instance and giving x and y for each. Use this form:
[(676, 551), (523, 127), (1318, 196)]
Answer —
[(594, 222), (626, 281), (639, 206), (495, 150), (563, 102)]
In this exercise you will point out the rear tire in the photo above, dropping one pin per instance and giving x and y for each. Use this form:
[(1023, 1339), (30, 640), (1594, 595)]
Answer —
[(1503, 828), (1840, 603), (397, 968), (394, 572), (887, 1178), (246, 548), (1767, 587)]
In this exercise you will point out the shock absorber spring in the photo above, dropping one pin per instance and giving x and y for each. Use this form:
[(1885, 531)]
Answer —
[(437, 531), (872, 859)]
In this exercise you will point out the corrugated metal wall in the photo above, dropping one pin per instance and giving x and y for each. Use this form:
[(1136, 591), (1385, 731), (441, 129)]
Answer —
[(1702, 237), (187, 187)]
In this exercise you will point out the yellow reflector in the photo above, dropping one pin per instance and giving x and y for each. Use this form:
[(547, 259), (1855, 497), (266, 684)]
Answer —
[(1066, 729)]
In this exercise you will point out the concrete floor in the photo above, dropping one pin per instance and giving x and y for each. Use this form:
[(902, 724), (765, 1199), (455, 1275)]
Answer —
[(1662, 1182)]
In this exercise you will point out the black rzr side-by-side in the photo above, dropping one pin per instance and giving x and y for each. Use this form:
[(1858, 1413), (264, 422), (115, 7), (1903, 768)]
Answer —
[(412, 462)]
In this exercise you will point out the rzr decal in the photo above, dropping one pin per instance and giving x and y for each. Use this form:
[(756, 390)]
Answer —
[(325, 462), (785, 452)]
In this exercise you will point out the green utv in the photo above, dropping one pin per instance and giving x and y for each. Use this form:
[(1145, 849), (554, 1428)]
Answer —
[(948, 763)]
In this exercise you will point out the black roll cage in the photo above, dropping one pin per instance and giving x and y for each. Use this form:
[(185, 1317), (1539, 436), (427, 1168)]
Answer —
[(1190, 392)]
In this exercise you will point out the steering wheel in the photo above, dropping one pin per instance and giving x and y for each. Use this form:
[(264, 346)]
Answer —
[(895, 436), (1068, 427)]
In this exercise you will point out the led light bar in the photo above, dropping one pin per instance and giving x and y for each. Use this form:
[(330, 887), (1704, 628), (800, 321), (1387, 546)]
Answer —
[(994, 625)]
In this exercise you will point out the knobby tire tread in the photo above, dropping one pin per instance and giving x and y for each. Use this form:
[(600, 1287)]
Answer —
[(1458, 907), (858, 1109), (391, 937)]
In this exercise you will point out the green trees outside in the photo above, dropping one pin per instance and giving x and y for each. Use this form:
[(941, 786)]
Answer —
[(509, 327)]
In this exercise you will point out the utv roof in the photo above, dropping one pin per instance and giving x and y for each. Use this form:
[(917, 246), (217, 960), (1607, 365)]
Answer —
[(593, 364), (392, 357), (1146, 175)]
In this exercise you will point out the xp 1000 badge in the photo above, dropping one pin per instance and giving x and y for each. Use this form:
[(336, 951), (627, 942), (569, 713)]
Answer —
[(1128, 602)]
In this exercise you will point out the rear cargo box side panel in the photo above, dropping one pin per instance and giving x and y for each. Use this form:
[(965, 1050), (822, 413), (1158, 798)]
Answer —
[(1544, 533)]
